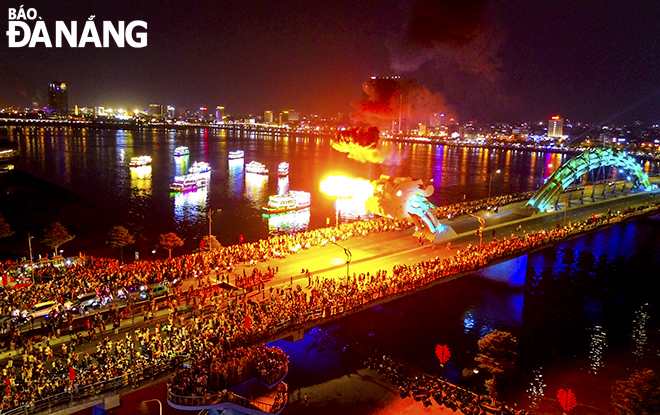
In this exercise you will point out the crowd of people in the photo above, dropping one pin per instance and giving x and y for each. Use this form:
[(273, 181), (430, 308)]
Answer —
[(214, 369), (465, 208), (232, 322)]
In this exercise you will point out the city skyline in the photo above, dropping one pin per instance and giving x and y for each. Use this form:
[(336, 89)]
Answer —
[(489, 61)]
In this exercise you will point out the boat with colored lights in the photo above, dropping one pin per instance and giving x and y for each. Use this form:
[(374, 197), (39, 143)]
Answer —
[(283, 169), (140, 161), (199, 167), (237, 154), (189, 182), (181, 151), (256, 168), (286, 202)]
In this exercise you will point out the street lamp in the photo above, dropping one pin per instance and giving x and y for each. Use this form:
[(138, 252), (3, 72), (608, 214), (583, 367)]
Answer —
[(160, 405), (209, 213), (349, 257), (490, 180)]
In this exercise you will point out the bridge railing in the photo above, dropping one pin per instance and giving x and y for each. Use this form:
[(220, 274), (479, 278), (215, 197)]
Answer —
[(80, 394), (217, 398)]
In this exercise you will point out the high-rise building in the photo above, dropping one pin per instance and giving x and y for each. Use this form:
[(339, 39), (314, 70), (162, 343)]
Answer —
[(287, 116), (171, 112), (219, 114), (556, 127), (155, 110), (58, 100), (268, 117)]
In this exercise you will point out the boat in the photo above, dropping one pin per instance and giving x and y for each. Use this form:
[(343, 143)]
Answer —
[(286, 202), (238, 154), (256, 167), (283, 169), (181, 151), (200, 167), (140, 161), (189, 182)]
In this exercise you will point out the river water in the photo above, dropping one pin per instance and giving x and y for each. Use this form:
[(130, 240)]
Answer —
[(587, 315)]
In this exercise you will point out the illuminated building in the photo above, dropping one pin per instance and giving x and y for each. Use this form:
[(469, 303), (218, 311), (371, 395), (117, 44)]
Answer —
[(171, 112), (219, 114), (155, 110), (58, 100), (268, 117), (556, 127), (287, 116)]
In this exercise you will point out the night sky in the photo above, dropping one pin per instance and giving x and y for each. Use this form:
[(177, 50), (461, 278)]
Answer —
[(489, 61)]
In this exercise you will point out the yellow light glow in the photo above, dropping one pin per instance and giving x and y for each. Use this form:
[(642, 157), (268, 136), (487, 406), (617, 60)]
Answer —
[(342, 186)]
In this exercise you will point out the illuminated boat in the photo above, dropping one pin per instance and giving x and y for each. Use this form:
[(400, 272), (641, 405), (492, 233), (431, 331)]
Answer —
[(238, 154), (283, 169), (286, 202), (256, 168), (181, 151), (189, 182), (140, 161), (200, 167)]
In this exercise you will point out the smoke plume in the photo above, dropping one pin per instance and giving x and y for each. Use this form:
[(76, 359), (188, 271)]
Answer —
[(387, 100), (459, 44)]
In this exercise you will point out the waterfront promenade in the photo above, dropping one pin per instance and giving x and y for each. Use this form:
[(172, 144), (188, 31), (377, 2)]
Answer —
[(378, 251)]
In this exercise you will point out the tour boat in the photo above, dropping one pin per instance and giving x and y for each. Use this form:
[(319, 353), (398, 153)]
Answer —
[(238, 154), (189, 182), (286, 202), (200, 167), (140, 161), (283, 169), (256, 167), (181, 151)]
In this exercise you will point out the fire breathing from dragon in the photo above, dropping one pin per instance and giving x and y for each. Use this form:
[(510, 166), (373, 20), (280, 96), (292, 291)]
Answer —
[(395, 197)]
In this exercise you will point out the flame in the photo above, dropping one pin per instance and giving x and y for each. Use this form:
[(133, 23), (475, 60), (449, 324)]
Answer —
[(342, 186)]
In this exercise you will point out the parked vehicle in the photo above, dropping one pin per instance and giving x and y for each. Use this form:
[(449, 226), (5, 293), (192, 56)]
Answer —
[(154, 292), (45, 309), (83, 302)]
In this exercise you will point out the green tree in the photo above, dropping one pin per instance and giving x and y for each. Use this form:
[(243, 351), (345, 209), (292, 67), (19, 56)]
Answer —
[(119, 237), (639, 395), (498, 354), (213, 245), (56, 235), (5, 229), (170, 241)]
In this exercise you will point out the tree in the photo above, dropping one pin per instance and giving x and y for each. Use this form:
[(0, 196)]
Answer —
[(213, 245), (639, 395), (5, 229), (55, 235), (498, 353), (170, 241), (119, 237)]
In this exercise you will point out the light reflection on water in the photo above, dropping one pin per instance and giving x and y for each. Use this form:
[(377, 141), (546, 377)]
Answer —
[(94, 165)]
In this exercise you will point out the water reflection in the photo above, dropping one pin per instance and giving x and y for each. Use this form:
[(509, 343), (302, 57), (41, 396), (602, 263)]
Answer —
[(349, 209), (282, 185), (181, 165), (190, 206), (236, 174), (639, 330), (256, 189), (596, 347), (141, 179), (290, 222)]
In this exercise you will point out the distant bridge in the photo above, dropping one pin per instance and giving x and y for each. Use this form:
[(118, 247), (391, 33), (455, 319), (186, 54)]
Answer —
[(580, 165)]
